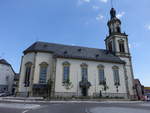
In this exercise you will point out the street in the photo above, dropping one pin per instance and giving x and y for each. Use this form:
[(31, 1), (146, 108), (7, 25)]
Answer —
[(75, 107)]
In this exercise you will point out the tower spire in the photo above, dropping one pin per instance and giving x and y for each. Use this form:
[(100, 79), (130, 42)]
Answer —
[(113, 13), (114, 24)]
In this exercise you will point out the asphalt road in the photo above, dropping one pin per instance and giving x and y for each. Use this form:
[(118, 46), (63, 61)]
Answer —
[(74, 108)]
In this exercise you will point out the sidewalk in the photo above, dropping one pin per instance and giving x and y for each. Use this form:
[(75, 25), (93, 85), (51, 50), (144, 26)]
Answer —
[(40, 100)]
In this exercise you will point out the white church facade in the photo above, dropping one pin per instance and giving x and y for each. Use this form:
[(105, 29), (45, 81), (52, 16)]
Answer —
[(57, 70)]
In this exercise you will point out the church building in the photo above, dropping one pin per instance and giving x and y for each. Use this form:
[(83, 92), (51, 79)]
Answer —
[(64, 71)]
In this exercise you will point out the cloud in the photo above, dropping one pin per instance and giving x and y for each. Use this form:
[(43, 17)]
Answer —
[(85, 1), (147, 26), (95, 7), (120, 15), (104, 1), (99, 17), (130, 46), (134, 45), (80, 2), (73, 44), (87, 23)]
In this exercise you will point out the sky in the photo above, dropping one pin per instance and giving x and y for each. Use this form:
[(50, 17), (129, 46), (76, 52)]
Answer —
[(74, 22)]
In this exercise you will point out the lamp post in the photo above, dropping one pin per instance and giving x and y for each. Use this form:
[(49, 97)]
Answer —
[(77, 85), (95, 85)]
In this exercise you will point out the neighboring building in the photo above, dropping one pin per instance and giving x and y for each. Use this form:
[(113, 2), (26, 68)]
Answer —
[(147, 91), (6, 76), (139, 90), (73, 71), (16, 84)]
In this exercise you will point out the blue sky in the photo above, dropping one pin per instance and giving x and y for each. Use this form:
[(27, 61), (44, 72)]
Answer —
[(74, 22)]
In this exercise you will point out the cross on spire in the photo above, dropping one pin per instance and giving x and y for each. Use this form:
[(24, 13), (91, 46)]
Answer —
[(113, 13), (111, 3)]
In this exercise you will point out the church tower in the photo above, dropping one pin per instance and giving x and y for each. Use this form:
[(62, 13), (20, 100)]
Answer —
[(117, 43)]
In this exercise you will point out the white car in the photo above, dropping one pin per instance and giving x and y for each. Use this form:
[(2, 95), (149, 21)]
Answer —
[(148, 98), (2, 94)]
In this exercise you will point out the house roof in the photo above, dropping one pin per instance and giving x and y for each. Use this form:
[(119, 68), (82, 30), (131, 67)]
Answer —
[(74, 52), (3, 61), (136, 81)]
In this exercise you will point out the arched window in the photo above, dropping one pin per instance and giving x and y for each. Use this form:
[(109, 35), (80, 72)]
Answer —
[(66, 72), (118, 29), (84, 72), (116, 75), (110, 46), (121, 46), (43, 73), (101, 74), (27, 74), (109, 31)]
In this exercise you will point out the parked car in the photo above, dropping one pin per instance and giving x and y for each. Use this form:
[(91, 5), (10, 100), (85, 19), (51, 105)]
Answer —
[(4, 94), (148, 98)]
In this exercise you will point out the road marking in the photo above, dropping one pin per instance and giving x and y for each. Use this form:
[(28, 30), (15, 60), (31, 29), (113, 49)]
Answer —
[(87, 110), (19, 106), (25, 111)]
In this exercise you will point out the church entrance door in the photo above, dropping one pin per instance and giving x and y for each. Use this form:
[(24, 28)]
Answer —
[(84, 92)]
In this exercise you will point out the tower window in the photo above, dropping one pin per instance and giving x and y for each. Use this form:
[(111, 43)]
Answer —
[(109, 31), (118, 30), (110, 46), (121, 46)]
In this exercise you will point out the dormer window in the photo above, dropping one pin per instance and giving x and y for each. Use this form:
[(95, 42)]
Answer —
[(65, 52), (97, 55), (79, 49), (44, 45)]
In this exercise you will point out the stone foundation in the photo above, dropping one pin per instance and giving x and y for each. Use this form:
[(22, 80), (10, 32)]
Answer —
[(97, 95), (75, 95)]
